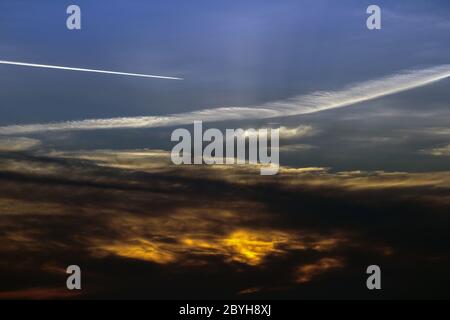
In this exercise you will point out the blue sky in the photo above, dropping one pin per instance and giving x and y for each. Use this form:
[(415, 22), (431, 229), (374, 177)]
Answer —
[(231, 54)]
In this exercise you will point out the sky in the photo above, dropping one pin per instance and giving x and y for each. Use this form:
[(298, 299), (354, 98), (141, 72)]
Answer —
[(85, 158)]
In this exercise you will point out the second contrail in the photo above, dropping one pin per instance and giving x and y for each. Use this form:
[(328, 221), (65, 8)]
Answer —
[(301, 104), (34, 65)]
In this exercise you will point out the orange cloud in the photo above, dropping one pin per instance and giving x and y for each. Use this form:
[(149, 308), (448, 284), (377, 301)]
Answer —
[(306, 272)]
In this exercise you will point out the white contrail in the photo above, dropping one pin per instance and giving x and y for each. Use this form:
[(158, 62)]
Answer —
[(303, 104), (24, 64)]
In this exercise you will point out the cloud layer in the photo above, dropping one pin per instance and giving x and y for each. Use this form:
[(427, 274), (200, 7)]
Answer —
[(301, 234)]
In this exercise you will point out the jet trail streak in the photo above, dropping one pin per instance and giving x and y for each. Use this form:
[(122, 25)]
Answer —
[(34, 65)]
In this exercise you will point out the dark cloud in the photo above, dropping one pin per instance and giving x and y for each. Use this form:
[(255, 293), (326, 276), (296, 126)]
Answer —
[(205, 232)]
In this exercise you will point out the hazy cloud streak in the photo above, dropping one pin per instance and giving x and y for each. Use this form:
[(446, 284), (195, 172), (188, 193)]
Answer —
[(303, 104)]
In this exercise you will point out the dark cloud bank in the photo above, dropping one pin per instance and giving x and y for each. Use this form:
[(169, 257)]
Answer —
[(141, 229)]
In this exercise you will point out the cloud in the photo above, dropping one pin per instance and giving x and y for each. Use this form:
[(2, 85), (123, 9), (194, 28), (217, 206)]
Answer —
[(296, 147), (431, 131), (288, 177), (438, 152), (284, 132), (303, 104), (307, 272), (17, 144), (128, 224), (296, 132)]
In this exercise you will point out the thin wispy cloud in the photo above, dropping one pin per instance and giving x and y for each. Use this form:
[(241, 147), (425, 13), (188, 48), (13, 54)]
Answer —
[(302, 104), (438, 152), (15, 144)]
